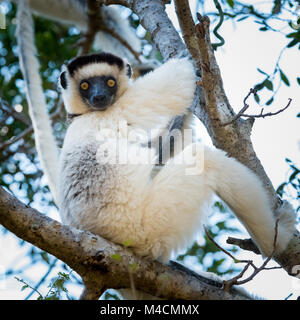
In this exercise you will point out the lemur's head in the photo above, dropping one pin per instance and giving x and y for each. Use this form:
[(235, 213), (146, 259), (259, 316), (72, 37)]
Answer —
[(93, 82)]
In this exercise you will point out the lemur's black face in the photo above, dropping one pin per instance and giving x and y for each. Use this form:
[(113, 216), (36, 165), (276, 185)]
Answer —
[(98, 92)]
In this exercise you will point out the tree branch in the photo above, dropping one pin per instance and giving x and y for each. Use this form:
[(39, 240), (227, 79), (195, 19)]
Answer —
[(103, 264), (241, 113), (54, 115), (245, 244), (245, 107), (154, 19), (93, 22), (269, 114)]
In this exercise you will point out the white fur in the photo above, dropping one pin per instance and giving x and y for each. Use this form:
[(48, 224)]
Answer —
[(162, 215), (44, 138)]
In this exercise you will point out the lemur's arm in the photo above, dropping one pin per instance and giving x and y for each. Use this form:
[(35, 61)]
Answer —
[(158, 96)]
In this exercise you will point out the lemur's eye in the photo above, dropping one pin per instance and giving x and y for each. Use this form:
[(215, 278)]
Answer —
[(111, 83), (84, 85)]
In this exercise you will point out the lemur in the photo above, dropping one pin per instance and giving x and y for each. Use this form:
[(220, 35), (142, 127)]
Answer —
[(120, 201)]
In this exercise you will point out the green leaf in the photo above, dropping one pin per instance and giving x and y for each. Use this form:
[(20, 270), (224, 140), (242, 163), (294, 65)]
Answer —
[(242, 18), (220, 206), (298, 80), (284, 78), (133, 267), (259, 70), (269, 101), (256, 97), (231, 3), (116, 257), (292, 35), (292, 43), (45, 256), (64, 275), (127, 243), (280, 189), (268, 84)]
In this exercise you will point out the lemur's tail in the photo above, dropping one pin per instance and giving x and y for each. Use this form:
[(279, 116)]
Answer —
[(243, 191), (44, 138)]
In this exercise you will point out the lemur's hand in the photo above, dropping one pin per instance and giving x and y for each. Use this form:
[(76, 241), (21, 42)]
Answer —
[(184, 54)]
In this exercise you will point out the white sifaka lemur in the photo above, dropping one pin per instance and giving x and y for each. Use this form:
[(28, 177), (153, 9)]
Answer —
[(119, 200)]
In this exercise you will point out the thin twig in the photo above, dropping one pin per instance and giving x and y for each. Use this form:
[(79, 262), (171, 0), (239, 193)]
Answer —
[(26, 285), (42, 279), (96, 23), (115, 35), (250, 262), (29, 130), (217, 245), (132, 286), (245, 107), (260, 115), (234, 281), (269, 114), (227, 284), (11, 112), (20, 136)]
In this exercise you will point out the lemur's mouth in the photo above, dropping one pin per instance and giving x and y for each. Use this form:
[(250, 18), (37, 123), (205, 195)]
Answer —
[(103, 105), (99, 108)]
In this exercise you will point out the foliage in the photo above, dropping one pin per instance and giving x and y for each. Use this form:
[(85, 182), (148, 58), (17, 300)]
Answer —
[(291, 187), (280, 16), (56, 287)]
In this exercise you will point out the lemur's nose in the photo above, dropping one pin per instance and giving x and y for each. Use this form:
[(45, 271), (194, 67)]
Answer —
[(98, 99)]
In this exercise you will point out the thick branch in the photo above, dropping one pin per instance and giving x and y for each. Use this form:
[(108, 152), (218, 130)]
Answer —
[(93, 22), (101, 263), (187, 27), (154, 19)]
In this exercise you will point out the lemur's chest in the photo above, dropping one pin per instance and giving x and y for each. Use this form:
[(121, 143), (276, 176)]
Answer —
[(82, 175)]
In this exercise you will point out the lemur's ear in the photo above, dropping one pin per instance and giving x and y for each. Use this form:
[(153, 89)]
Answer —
[(63, 80), (128, 70)]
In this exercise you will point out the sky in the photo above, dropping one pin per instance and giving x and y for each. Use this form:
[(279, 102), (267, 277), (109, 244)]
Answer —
[(274, 138)]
